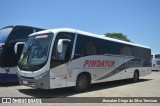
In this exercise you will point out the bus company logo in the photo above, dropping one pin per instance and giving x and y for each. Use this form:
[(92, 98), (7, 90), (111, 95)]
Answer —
[(99, 63)]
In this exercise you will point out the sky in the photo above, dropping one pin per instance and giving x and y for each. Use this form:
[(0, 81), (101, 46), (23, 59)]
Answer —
[(139, 20)]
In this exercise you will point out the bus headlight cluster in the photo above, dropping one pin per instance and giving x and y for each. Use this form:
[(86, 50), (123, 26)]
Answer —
[(40, 76)]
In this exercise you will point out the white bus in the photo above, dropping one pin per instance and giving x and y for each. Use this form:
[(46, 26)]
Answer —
[(156, 61), (67, 57)]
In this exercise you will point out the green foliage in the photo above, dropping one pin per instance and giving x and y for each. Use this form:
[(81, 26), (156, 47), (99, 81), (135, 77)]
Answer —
[(118, 36)]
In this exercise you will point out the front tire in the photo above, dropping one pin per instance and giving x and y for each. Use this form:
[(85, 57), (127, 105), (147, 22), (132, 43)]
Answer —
[(82, 83)]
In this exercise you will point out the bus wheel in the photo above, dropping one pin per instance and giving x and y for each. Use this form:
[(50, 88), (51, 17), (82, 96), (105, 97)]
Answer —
[(135, 76), (82, 83)]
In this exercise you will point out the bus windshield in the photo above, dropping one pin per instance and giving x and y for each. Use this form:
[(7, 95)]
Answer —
[(4, 33), (36, 50)]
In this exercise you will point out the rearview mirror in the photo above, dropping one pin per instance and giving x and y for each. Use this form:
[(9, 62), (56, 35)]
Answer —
[(61, 43), (16, 46)]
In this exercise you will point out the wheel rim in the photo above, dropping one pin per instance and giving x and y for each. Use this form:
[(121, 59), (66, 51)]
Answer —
[(82, 83)]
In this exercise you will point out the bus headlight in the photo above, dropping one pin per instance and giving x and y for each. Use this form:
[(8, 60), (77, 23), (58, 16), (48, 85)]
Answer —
[(40, 76)]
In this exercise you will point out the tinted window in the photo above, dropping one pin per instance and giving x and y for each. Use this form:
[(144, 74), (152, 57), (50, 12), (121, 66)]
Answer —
[(91, 46), (157, 56), (126, 50), (158, 62), (142, 53), (85, 46), (20, 34), (4, 33)]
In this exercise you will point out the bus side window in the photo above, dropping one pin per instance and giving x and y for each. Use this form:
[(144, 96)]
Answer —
[(85, 46), (91, 49), (126, 50), (157, 56)]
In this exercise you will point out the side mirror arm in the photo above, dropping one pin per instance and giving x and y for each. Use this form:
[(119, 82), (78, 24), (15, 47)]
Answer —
[(16, 46)]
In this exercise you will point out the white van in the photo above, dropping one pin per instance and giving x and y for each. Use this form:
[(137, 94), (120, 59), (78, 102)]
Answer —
[(156, 61)]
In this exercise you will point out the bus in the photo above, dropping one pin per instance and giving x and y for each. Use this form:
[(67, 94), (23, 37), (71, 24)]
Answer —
[(65, 57), (12, 39), (156, 61)]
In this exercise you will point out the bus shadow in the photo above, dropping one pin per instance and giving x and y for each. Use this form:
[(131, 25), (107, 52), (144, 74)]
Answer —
[(53, 93), (65, 92), (112, 84)]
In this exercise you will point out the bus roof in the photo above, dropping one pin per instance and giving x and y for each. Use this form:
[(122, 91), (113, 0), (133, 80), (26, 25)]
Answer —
[(12, 26), (88, 34)]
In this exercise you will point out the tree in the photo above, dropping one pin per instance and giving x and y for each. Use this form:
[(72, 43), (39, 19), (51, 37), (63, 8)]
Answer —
[(117, 36)]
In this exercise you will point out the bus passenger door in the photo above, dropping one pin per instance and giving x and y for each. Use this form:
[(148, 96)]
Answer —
[(61, 54)]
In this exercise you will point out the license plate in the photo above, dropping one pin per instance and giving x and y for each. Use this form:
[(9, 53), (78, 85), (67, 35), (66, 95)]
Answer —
[(25, 82)]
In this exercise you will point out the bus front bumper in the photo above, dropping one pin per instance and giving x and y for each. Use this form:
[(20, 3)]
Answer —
[(34, 83)]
